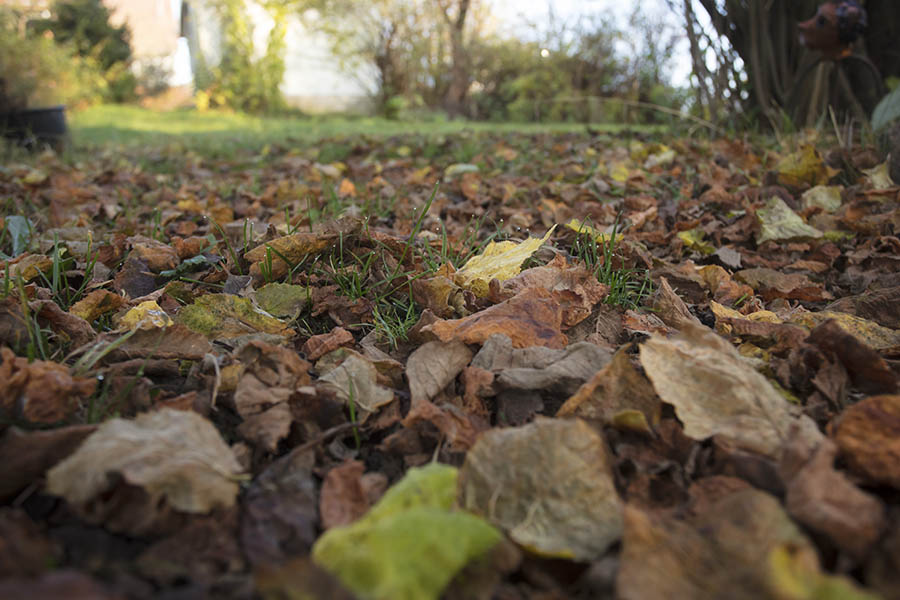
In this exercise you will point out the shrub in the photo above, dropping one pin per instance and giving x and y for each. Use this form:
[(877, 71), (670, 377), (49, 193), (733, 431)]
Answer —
[(36, 71), (84, 25)]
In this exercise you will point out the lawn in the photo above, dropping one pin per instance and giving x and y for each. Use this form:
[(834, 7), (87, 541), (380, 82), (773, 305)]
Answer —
[(217, 133)]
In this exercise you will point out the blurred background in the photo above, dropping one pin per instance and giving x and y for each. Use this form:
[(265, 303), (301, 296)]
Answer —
[(723, 61)]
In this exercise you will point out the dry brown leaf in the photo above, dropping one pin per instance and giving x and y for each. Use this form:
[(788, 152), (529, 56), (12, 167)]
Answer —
[(40, 391), (173, 455), (531, 318), (827, 502), (743, 547), (868, 434), (548, 485), (616, 388), (715, 392), (96, 304)]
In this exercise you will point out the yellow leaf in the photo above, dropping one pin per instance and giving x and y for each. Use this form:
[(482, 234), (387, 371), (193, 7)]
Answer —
[(501, 261), (599, 236), (146, 315), (695, 240)]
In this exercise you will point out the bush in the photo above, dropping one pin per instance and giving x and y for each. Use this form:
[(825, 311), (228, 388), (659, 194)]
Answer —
[(84, 25), (35, 71)]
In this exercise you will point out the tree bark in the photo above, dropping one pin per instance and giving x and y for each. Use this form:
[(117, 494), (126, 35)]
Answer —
[(454, 102)]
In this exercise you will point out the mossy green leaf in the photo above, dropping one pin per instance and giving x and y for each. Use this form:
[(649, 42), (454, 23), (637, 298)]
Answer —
[(228, 316), (409, 545), (282, 299)]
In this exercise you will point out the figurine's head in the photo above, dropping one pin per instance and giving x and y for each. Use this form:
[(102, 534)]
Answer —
[(834, 28)]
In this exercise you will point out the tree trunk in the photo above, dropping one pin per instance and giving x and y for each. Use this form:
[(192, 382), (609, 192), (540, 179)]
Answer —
[(454, 103)]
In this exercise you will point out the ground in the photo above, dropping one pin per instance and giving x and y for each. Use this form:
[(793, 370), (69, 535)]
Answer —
[(337, 358)]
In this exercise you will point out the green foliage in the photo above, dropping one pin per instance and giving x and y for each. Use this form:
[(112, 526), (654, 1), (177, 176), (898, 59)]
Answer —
[(887, 111), (36, 71), (84, 26), (242, 81)]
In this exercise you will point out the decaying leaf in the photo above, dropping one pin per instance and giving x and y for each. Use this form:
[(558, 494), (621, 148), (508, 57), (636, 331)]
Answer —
[(176, 456), (824, 500), (279, 517), (410, 544), (282, 299), (743, 547), (97, 303), (868, 332), (826, 197), (803, 167), (867, 434), (224, 316), (355, 380), (615, 390), (531, 318), (40, 391), (270, 256), (575, 287), (548, 485), (779, 223), (715, 392)]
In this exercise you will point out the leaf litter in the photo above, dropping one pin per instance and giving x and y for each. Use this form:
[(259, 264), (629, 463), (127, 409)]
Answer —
[(565, 365)]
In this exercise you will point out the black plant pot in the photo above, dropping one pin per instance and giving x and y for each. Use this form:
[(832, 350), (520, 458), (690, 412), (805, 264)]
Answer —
[(34, 128)]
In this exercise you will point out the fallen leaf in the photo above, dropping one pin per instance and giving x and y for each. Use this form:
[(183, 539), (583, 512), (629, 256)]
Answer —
[(531, 318), (40, 391), (826, 197), (205, 551), (695, 239), (320, 345), (224, 316), (498, 260), (146, 315), (410, 544), (173, 455), (280, 518), (298, 578), (869, 333), (575, 288), (548, 485), (64, 583), (24, 551), (771, 284), (27, 455), (869, 371), (175, 341), (347, 493), (867, 435), (282, 299), (715, 392), (96, 304), (356, 380), (669, 307), (745, 533), (540, 369), (881, 306), (824, 500), (802, 167), (432, 366), (615, 390), (293, 248), (779, 223)]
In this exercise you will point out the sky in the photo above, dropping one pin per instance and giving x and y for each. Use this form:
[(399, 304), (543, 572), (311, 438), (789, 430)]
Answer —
[(518, 11)]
